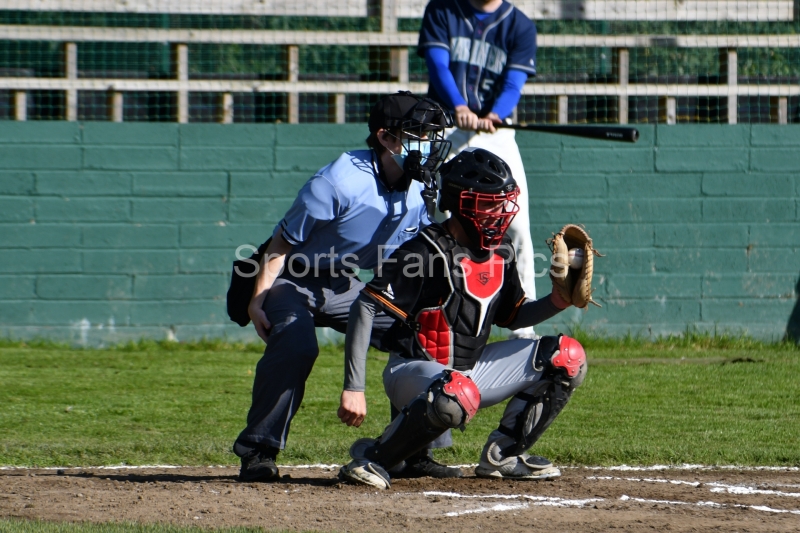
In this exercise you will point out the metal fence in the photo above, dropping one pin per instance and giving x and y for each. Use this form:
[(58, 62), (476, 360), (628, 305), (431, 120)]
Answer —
[(229, 61)]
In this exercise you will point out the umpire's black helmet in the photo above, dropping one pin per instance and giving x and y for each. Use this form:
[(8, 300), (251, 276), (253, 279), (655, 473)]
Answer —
[(420, 123), (405, 110)]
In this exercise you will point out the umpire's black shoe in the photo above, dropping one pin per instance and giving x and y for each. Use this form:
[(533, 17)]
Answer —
[(423, 465), (258, 464)]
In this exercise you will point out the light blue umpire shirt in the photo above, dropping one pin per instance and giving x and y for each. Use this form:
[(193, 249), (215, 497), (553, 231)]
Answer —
[(346, 206)]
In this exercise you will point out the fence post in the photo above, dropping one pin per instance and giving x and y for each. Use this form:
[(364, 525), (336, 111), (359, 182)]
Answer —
[(622, 73), (182, 74), (338, 106), (115, 106), (667, 110), (71, 73), (226, 108), (779, 109), (563, 109), (398, 61), (293, 75), (729, 73), (20, 106), (388, 17)]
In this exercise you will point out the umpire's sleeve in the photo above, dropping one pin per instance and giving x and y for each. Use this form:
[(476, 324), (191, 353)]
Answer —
[(316, 204)]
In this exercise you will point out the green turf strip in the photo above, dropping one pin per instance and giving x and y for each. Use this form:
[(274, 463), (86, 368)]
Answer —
[(669, 402)]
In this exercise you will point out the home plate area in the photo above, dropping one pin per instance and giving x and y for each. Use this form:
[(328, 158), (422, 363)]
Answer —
[(685, 498)]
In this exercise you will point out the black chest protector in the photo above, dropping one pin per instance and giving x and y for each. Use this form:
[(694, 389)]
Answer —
[(453, 317)]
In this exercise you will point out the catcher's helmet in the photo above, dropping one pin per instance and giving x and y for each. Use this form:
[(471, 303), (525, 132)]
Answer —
[(421, 123), (479, 190)]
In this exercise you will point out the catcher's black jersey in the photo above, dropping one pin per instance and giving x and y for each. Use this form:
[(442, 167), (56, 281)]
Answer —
[(445, 297)]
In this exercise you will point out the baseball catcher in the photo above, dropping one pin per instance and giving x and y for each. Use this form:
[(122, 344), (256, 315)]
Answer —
[(445, 288)]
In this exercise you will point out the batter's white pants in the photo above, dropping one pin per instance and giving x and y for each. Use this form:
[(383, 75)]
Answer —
[(503, 144)]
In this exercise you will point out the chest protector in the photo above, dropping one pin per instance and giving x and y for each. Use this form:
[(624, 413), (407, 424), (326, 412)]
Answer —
[(454, 332)]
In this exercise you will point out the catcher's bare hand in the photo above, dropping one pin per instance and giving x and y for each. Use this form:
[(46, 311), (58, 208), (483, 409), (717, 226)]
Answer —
[(260, 320), (352, 408)]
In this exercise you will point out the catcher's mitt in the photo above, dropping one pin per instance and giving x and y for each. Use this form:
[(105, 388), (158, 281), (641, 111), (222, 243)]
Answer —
[(574, 285)]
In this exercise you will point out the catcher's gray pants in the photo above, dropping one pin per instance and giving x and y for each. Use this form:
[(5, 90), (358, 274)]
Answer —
[(503, 370), (294, 307)]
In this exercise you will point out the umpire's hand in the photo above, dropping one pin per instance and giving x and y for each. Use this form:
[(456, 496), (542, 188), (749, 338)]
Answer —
[(259, 318), (352, 408)]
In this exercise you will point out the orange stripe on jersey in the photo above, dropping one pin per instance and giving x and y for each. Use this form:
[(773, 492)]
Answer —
[(513, 314), (389, 305)]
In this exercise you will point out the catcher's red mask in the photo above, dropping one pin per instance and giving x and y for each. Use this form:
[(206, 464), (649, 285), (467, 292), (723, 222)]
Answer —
[(490, 213)]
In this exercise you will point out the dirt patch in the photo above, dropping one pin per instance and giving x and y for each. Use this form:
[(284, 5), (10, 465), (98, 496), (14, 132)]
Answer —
[(583, 499)]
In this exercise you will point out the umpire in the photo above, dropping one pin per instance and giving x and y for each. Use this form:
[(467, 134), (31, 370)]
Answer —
[(351, 213)]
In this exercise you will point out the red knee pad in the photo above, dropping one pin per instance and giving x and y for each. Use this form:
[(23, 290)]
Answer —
[(570, 356), (466, 393)]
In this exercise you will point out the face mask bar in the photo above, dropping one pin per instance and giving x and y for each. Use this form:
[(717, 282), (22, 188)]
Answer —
[(490, 222), (425, 142)]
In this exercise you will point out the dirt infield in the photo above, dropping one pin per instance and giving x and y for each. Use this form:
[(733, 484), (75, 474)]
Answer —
[(583, 499)]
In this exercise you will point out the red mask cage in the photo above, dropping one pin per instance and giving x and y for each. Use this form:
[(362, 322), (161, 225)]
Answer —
[(490, 213)]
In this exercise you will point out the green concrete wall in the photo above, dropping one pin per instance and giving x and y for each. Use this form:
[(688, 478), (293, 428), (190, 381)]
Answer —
[(117, 231)]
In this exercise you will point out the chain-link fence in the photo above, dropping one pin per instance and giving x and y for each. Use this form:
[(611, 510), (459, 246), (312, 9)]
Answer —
[(600, 61)]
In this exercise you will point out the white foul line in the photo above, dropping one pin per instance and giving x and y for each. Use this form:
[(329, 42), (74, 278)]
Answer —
[(716, 486), (686, 466), (533, 500), (763, 508)]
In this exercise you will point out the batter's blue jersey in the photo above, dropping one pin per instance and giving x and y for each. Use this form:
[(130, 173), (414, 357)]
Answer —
[(480, 50), (346, 209)]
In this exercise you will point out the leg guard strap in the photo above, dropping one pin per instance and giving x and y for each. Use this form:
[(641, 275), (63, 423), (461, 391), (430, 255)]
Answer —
[(535, 417), (410, 432), (449, 403), (562, 362)]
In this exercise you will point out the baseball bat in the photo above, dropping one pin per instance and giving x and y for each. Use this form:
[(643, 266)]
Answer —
[(624, 134)]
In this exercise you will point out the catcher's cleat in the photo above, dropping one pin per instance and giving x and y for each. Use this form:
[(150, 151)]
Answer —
[(258, 464), (423, 465), (361, 470), (365, 472), (494, 465)]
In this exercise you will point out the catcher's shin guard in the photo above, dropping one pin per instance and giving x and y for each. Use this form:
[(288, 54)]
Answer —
[(563, 364), (450, 402)]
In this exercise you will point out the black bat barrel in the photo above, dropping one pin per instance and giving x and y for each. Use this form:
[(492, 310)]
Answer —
[(605, 133)]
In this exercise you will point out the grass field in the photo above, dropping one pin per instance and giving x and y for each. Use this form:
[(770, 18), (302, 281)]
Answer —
[(696, 400)]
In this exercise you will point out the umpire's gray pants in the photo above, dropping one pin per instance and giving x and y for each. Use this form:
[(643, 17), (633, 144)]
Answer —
[(294, 307), (503, 370)]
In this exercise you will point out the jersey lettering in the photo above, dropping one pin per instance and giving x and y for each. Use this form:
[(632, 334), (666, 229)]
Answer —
[(459, 49), (478, 53), (496, 60)]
